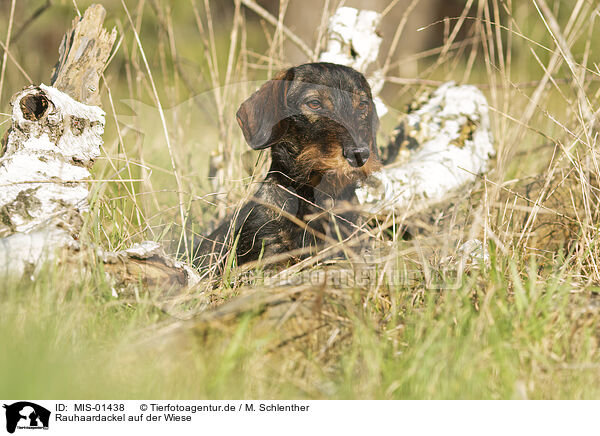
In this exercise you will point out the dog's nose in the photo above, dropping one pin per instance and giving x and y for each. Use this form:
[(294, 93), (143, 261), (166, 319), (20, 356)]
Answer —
[(357, 156)]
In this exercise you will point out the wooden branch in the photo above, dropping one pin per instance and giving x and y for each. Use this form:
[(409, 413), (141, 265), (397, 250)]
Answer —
[(83, 54), (146, 263)]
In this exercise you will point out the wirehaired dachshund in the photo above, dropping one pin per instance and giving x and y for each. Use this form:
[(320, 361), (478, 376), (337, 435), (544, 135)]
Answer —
[(320, 123)]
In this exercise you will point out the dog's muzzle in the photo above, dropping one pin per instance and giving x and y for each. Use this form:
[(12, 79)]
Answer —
[(357, 156)]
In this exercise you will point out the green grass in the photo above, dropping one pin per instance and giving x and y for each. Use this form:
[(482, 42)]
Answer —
[(502, 334)]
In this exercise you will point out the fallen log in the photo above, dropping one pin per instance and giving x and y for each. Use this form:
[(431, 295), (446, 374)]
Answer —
[(440, 146)]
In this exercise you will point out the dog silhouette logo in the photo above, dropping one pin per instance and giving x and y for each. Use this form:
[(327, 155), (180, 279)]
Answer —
[(26, 415)]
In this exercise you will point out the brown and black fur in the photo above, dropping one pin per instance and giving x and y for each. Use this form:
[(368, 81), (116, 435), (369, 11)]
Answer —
[(320, 123)]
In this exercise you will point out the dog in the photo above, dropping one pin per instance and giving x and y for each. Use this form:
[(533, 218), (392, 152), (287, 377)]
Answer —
[(320, 123)]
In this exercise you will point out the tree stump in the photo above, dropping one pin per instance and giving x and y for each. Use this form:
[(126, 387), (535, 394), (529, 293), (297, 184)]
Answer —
[(45, 161)]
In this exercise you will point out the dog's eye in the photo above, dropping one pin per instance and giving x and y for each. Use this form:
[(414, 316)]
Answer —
[(314, 104), (363, 105)]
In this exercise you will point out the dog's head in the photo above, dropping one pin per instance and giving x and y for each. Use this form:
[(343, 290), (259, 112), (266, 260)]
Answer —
[(319, 119)]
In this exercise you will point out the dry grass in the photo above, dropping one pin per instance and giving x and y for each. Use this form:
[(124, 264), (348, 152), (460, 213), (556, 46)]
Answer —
[(410, 324)]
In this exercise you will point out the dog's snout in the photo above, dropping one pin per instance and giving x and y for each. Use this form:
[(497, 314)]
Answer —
[(357, 156)]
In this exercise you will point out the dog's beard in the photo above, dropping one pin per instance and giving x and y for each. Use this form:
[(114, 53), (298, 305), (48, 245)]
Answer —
[(331, 172)]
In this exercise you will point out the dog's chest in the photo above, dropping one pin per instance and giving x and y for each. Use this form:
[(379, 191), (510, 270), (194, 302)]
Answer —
[(297, 212)]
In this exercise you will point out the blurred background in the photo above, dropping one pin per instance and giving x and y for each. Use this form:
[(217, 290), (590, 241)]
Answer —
[(38, 26)]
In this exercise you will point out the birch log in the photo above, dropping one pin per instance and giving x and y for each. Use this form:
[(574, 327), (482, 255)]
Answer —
[(51, 145), (438, 148), (49, 150), (45, 161), (353, 41)]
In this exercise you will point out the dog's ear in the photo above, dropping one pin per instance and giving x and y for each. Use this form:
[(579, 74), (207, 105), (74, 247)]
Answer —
[(261, 115)]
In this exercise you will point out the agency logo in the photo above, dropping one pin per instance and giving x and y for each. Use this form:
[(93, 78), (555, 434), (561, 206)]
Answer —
[(26, 415)]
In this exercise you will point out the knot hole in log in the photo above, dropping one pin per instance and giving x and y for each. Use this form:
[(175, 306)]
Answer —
[(34, 106)]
